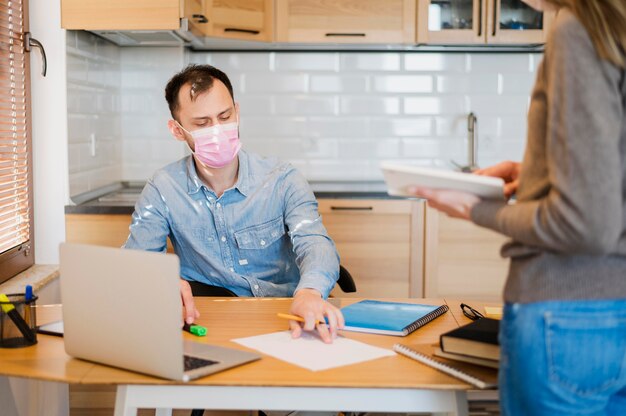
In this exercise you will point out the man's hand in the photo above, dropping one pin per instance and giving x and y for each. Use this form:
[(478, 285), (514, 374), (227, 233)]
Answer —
[(509, 171), (456, 204), (190, 313), (309, 304)]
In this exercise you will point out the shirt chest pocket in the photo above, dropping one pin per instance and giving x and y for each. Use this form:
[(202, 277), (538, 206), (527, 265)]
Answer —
[(260, 236)]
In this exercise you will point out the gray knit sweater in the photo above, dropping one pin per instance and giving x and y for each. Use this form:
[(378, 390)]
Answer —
[(568, 227)]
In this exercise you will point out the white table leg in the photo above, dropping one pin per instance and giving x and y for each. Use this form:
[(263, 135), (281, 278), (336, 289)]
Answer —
[(122, 405)]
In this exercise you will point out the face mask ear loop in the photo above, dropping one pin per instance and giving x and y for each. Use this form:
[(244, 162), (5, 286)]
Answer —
[(181, 126)]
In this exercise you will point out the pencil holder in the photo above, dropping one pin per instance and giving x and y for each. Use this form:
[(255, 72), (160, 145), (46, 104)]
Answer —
[(17, 321)]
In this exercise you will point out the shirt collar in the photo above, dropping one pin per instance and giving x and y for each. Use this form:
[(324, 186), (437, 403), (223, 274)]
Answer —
[(194, 183)]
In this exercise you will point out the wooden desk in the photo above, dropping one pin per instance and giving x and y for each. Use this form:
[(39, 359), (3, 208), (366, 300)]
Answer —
[(393, 384)]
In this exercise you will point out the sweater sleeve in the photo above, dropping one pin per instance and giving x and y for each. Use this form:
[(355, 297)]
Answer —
[(581, 212)]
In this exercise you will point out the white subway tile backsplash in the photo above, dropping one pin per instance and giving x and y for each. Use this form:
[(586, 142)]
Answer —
[(309, 148), (398, 127), (305, 105), (370, 105), (435, 62), (253, 127), (338, 83), (275, 83), (501, 104), (240, 62), (435, 105), (403, 84), (467, 83), (306, 61), (517, 83), (334, 115), (500, 62), (255, 105), (343, 126), (368, 149), (370, 62)]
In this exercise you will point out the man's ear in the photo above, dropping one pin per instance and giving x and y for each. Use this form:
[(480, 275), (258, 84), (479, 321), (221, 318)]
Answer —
[(176, 130), (237, 111)]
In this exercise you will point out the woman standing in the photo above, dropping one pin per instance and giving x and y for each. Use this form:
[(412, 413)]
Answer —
[(563, 335)]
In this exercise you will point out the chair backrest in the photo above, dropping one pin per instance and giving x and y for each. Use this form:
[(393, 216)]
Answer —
[(345, 281), (201, 289)]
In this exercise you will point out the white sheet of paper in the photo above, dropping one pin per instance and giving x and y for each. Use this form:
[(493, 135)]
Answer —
[(310, 352)]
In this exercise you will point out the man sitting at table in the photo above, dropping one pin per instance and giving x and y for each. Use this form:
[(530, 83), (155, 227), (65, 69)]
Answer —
[(235, 219)]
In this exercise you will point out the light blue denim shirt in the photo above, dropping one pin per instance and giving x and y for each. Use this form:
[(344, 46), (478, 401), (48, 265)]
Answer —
[(262, 237)]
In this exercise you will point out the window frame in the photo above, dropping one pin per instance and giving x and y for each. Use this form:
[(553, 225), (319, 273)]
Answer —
[(21, 257)]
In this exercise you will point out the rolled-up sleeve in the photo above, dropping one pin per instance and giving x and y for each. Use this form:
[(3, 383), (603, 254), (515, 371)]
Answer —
[(149, 227), (316, 255)]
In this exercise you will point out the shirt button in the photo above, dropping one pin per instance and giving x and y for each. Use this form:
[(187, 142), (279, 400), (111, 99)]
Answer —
[(262, 242), (223, 239), (231, 269), (256, 287), (218, 205)]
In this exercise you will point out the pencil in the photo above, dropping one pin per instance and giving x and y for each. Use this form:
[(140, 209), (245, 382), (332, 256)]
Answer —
[(297, 318)]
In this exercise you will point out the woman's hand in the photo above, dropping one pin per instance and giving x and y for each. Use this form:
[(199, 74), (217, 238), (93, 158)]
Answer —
[(456, 204), (509, 171)]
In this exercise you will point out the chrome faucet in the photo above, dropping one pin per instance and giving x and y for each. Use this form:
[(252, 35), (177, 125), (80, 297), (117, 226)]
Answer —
[(472, 145)]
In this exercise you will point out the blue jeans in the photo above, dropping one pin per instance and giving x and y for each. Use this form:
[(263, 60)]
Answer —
[(563, 358)]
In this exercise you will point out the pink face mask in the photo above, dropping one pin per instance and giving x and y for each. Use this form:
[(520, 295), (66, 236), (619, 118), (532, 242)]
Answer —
[(218, 145)]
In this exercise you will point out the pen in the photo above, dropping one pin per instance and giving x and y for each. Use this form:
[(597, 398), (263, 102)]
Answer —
[(297, 318), (20, 323), (197, 330), (28, 293)]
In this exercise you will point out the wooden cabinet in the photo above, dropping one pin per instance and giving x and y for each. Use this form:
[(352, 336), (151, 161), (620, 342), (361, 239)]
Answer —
[(97, 229), (480, 22), (462, 260), (380, 242), (121, 14), (345, 21), (239, 19)]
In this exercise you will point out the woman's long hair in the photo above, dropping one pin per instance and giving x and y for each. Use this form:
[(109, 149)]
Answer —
[(605, 21)]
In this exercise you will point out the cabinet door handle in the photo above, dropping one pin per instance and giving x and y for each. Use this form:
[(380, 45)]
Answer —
[(333, 208), (333, 34), (495, 17), (200, 18), (480, 18), (248, 31)]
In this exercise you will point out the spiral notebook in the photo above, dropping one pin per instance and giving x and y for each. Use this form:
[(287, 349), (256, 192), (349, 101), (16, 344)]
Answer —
[(389, 318), (476, 375)]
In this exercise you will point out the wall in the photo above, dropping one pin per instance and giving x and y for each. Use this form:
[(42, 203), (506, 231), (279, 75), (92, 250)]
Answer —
[(334, 115), (337, 115), (93, 112)]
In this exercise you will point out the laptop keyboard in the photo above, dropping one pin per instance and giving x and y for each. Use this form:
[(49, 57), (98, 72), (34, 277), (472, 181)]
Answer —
[(191, 363)]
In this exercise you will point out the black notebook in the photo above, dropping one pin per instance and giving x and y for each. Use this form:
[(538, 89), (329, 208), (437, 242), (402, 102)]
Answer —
[(477, 339), (389, 318), (478, 376)]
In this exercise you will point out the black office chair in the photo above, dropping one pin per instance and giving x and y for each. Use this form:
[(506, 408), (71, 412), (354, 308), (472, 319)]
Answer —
[(345, 281)]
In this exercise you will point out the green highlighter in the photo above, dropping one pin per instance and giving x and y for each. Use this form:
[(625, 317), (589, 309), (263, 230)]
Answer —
[(197, 330)]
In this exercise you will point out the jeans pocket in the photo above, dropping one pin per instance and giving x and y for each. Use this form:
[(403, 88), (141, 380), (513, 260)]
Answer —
[(585, 350)]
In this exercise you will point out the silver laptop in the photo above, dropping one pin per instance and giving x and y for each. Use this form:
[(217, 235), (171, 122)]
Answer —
[(122, 308)]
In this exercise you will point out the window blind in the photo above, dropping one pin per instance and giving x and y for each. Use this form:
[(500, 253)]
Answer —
[(15, 145)]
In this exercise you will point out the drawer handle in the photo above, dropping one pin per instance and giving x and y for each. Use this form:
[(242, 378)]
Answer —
[(248, 31), (200, 18), (362, 35), (351, 208)]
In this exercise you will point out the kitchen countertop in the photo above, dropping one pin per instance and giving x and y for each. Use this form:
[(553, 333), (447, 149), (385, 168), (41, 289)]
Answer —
[(120, 198)]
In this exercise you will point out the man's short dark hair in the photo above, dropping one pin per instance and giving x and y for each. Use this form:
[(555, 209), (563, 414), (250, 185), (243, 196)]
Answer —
[(201, 79)]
